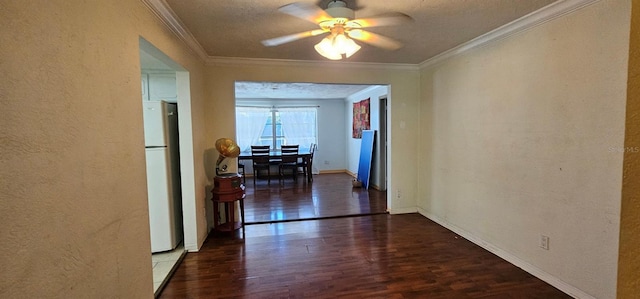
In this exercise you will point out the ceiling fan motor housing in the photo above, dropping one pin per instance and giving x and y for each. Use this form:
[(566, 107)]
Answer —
[(339, 9)]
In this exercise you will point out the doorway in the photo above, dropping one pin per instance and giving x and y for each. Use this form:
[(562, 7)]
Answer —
[(383, 144), (166, 105), (335, 159)]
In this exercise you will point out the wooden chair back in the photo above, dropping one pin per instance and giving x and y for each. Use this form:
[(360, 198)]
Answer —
[(260, 154), (290, 153)]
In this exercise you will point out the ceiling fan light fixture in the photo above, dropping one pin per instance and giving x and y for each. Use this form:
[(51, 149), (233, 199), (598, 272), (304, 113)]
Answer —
[(325, 48), (339, 21), (344, 45), (335, 45), (350, 47)]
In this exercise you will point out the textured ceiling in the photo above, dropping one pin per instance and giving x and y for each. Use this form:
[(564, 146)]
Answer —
[(298, 91), (235, 28)]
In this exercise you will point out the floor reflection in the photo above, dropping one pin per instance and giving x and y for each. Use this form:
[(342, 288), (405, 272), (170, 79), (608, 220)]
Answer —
[(378, 256), (329, 195)]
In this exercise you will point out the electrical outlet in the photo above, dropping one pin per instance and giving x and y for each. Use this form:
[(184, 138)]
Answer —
[(326, 162), (398, 194), (544, 242)]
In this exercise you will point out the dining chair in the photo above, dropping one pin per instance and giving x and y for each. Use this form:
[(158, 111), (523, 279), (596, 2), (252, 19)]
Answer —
[(309, 163), (260, 157), (289, 160), (302, 164)]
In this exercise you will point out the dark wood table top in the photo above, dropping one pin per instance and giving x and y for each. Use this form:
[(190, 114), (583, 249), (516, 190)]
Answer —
[(275, 154)]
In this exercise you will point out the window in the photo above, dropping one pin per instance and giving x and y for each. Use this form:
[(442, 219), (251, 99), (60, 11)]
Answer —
[(272, 132), (276, 126)]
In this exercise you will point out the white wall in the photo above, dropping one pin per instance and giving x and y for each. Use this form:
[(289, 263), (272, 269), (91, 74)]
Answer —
[(330, 155), (353, 145), (404, 107), (522, 138), (73, 187), (74, 215)]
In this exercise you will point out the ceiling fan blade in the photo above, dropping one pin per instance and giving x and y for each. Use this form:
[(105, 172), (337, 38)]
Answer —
[(306, 11), (375, 39), (383, 20), (291, 37)]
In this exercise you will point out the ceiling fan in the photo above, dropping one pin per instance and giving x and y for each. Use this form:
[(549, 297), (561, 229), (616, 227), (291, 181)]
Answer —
[(339, 21)]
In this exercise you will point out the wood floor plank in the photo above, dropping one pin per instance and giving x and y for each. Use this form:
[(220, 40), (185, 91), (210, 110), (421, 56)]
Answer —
[(329, 195), (374, 256)]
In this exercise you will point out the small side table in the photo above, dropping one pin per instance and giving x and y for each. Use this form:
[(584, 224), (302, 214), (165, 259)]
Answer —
[(228, 189)]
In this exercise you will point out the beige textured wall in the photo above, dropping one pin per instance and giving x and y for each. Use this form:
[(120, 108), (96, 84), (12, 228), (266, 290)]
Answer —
[(403, 99), (525, 139), (73, 218), (629, 259)]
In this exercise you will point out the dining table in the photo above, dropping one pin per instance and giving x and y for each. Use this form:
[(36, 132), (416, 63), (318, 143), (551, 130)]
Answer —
[(275, 154)]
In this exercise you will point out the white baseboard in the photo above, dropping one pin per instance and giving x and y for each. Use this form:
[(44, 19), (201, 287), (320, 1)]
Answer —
[(531, 269), (402, 211), (333, 171)]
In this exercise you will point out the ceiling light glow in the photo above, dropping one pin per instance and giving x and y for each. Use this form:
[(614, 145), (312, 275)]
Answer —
[(337, 44)]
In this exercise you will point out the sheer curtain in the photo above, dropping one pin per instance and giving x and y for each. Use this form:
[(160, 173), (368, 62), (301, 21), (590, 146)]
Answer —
[(250, 122), (299, 125)]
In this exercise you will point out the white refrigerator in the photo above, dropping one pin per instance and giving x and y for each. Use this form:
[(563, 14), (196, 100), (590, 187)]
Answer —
[(163, 174)]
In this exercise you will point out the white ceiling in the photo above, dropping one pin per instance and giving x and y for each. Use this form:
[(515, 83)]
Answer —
[(235, 29)]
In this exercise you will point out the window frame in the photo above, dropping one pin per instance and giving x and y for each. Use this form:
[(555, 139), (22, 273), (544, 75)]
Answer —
[(277, 140)]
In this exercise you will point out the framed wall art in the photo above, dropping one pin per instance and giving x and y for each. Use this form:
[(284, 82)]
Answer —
[(361, 118)]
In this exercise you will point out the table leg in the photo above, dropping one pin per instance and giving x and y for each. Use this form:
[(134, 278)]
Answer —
[(242, 216), (309, 174), (232, 216), (216, 216), (226, 212)]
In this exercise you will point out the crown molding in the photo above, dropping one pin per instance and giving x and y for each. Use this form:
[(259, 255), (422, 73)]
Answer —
[(536, 18), (161, 9), (241, 61), (550, 12)]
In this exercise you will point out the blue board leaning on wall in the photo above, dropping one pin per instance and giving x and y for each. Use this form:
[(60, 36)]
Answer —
[(366, 156)]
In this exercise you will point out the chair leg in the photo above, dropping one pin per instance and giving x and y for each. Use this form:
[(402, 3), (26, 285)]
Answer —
[(304, 170)]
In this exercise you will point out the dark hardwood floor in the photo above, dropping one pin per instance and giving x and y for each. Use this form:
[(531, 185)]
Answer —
[(370, 256), (329, 195)]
